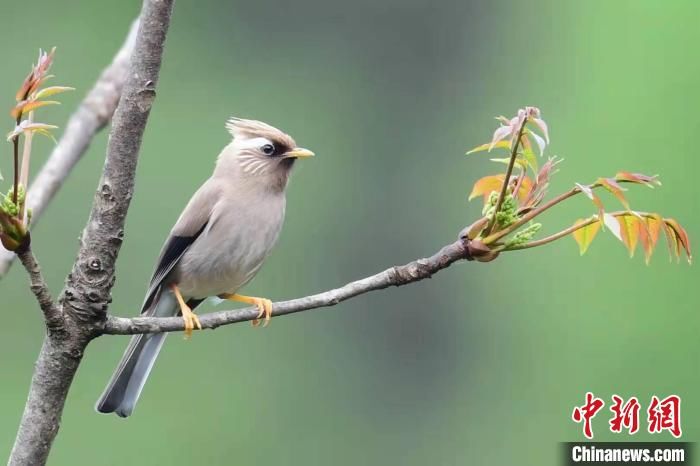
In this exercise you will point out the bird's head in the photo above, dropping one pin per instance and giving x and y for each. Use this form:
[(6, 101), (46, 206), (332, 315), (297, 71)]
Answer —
[(261, 151)]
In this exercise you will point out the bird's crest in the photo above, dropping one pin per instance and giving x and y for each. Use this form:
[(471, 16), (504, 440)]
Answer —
[(242, 128)]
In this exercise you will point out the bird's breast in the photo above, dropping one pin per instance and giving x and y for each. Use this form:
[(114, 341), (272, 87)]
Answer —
[(232, 248)]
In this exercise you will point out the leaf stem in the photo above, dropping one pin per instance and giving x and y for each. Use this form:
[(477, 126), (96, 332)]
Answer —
[(15, 153), (509, 172), (26, 157), (530, 215), (555, 236), (15, 147), (573, 228)]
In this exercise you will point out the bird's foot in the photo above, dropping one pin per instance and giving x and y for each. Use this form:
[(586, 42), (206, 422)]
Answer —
[(190, 318), (191, 321), (264, 306)]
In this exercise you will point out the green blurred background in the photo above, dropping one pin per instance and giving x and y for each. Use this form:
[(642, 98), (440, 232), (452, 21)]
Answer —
[(480, 365)]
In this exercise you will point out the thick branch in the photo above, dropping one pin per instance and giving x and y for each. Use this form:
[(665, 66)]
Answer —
[(395, 276), (53, 374), (92, 115), (52, 314), (88, 287), (87, 291)]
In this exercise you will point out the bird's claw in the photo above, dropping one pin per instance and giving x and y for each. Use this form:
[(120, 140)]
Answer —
[(190, 318), (264, 308), (191, 321)]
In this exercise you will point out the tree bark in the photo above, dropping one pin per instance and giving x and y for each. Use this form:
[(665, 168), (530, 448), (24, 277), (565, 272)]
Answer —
[(55, 369), (86, 295)]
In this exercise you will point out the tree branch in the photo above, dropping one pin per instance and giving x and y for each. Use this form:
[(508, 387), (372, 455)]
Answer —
[(414, 271), (54, 371), (87, 292), (52, 314), (91, 116)]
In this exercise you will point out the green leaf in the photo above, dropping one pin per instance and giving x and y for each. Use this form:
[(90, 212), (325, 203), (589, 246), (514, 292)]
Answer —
[(483, 147), (531, 158), (49, 91), (506, 160), (584, 236)]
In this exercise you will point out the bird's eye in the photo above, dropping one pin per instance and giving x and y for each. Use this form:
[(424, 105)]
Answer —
[(268, 149)]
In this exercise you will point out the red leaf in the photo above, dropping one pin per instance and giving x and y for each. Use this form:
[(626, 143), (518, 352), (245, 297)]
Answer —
[(674, 247), (639, 178), (649, 235), (682, 239), (23, 91), (617, 190), (28, 105), (629, 231)]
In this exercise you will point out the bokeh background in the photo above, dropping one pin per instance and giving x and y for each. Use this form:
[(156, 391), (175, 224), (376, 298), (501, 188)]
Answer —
[(480, 365)]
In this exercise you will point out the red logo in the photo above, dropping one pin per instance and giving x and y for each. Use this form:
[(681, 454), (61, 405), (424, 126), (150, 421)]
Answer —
[(661, 414), (626, 415), (665, 415), (587, 412)]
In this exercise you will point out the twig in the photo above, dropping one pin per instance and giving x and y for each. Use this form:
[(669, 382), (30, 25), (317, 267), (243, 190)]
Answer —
[(395, 276), (15, 154), (509, 172), (24, 172), (576, 227), (15, 161), (91, 116), (26, 154), (52, 314), (530, 215), (535, 212)]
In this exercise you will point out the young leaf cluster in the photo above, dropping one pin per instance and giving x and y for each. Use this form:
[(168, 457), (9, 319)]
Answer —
[(514, 198), (14, 217)]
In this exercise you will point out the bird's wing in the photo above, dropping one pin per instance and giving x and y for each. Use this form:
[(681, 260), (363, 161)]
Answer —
[(192, 222)]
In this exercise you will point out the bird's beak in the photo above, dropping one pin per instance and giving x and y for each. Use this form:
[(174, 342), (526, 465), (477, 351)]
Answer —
[(298, 153)]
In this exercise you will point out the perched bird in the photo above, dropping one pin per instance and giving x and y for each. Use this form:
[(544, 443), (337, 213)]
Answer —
[(217, 245)]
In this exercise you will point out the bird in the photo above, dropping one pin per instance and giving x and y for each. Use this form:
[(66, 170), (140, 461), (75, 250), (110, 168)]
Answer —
[(218, 244)]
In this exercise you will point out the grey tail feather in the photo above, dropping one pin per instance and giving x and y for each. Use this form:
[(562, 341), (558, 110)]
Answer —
[(128, 380), (125, 387)]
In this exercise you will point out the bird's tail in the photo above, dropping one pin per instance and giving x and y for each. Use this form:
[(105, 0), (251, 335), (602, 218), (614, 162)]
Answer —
[(128, 380)]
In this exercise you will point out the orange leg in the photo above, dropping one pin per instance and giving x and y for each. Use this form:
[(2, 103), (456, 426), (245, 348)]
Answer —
[(190, 318), (264, 306)]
